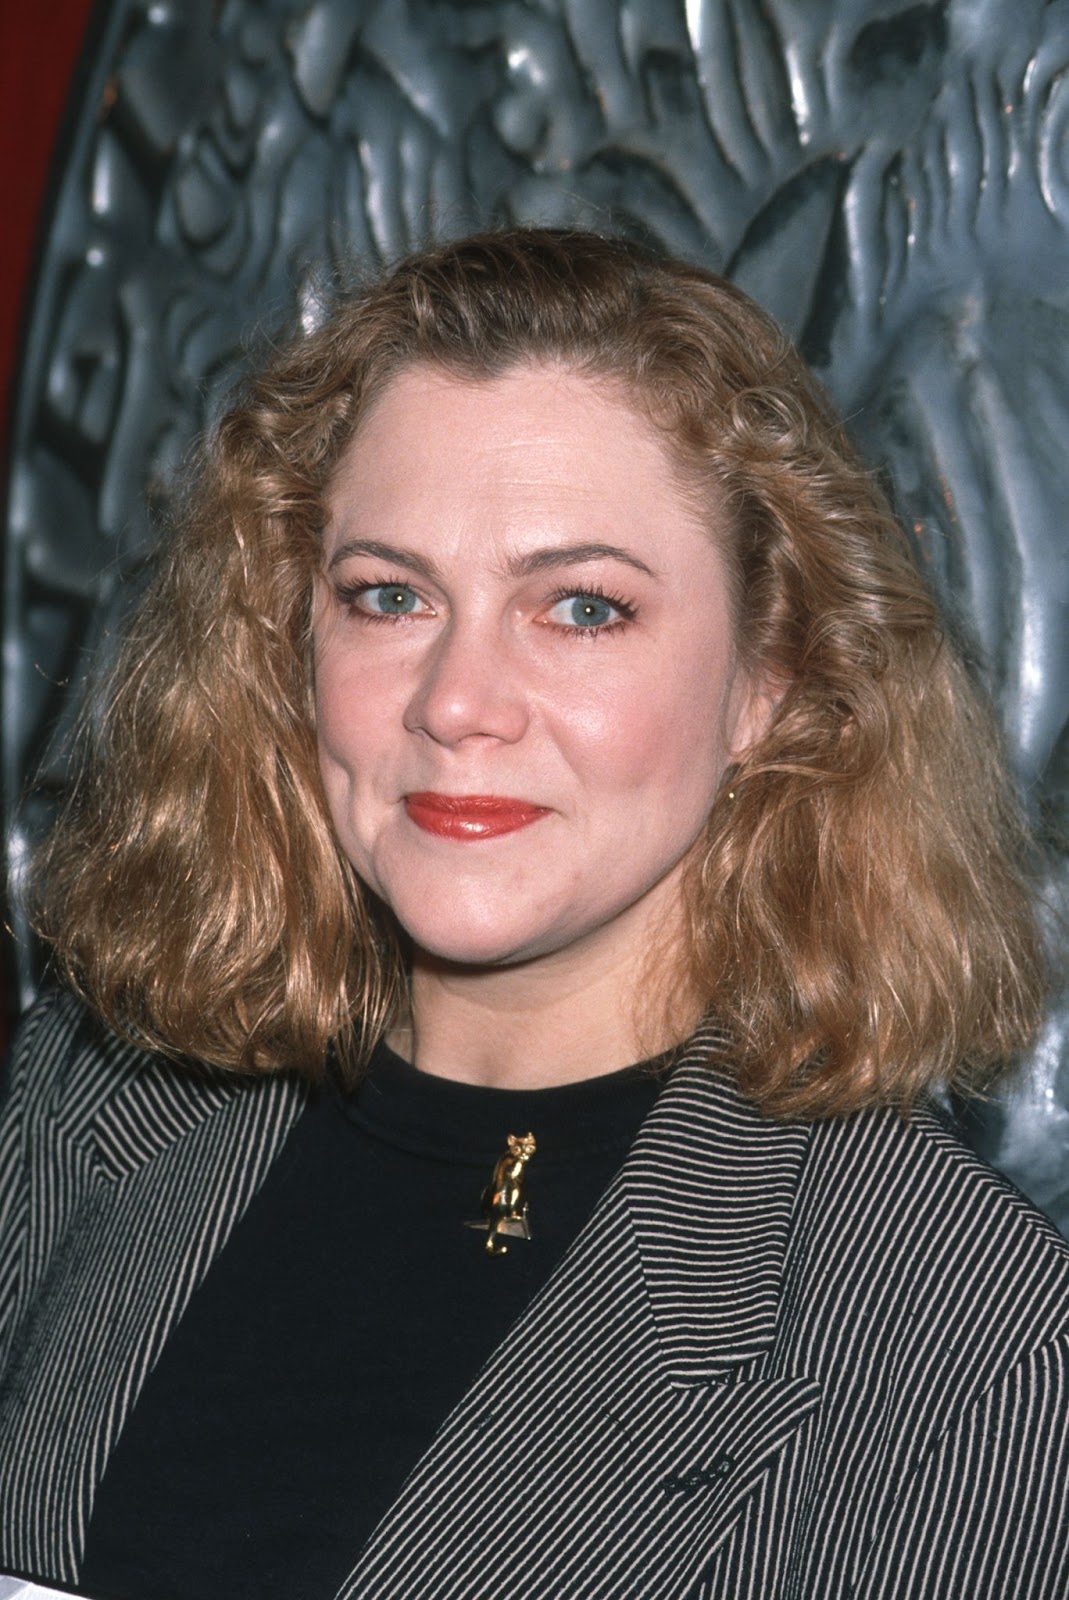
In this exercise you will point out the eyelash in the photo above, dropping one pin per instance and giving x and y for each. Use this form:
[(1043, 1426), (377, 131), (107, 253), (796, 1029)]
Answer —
[(595, 591), (348, 594)]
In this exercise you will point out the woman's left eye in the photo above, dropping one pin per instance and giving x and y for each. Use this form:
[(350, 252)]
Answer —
[(588, 613)]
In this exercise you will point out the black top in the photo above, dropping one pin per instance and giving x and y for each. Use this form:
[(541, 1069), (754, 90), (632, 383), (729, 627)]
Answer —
[(349, 1312)]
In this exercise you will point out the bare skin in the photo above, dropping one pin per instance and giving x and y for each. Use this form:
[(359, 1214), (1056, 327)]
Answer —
[(520, 605)]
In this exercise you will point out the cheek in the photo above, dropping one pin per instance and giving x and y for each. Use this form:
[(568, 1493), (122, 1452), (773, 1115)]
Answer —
[(352, 703), (658, 729), (348, 731), (346, 726), (333, 709)]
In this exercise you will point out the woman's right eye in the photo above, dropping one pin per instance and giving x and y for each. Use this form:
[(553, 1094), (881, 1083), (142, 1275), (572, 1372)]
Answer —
[(383, 599)]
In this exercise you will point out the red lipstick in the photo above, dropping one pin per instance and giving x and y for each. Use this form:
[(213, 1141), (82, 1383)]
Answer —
[(470, 816)]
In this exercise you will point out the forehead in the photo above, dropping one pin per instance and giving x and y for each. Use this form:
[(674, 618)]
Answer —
[(535, 445)]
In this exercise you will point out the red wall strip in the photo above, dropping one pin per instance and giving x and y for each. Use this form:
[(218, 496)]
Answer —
[(40, 42)]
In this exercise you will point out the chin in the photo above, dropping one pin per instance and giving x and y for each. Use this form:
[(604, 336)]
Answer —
[(473, 940), (476, 948)]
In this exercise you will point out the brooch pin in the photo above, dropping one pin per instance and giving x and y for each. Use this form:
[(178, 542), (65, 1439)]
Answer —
[(504, 1209)]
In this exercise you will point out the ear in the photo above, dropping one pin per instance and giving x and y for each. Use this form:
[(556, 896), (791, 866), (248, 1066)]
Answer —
[(753, 702)]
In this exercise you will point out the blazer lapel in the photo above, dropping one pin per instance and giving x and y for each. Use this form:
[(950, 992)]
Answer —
[(712, 1186), (613, 1439), (165, 1163)]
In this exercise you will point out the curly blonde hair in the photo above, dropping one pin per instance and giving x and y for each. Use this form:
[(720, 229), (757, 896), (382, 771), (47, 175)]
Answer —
[(858, 911)]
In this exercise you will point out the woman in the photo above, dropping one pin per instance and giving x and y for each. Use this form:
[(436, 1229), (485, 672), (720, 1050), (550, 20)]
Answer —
[(536, 672)]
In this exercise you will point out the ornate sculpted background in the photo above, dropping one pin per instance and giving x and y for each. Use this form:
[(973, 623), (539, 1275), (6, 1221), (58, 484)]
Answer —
[(891, 179)]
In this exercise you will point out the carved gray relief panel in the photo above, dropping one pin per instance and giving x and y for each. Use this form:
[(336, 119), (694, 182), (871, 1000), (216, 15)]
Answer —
[(891, 179)]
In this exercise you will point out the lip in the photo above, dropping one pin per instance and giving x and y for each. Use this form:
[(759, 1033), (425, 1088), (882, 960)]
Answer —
[(470, 816)]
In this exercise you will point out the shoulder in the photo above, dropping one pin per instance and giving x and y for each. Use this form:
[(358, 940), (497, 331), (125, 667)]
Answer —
[(878, 1259), (932, 1299), (60, 1048), (70, 1076), (907, 1184), (912, 1181), (934, 1260), (876, 1232), (872, 1187)]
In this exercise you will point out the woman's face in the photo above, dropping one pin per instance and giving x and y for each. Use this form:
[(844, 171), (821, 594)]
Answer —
[(525, 681)]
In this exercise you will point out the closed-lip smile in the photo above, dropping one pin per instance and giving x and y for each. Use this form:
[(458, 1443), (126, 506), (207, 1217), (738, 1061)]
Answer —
[(470, 816)]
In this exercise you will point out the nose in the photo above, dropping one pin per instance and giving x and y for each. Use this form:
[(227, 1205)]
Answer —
[(468, 688)]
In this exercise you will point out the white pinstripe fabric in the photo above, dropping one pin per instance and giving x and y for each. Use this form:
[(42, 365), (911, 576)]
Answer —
[(120, 1179), (781, 1361)]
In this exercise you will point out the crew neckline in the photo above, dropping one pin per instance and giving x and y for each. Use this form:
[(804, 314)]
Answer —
[(467, 1124)]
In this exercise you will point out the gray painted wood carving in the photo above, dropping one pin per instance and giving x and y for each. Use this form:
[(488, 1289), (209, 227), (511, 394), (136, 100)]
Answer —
[(891, 179)]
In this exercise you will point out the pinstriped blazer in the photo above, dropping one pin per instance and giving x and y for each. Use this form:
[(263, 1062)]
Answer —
[(782, 1360)]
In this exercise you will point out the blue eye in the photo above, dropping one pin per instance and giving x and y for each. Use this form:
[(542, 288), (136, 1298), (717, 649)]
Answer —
[(388, 600), (580, 612)]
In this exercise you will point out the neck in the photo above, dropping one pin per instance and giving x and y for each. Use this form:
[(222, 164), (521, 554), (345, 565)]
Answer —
[(531, 1026)]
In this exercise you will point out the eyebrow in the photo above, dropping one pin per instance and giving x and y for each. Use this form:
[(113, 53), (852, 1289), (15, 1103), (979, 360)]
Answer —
[(554, 555), (383, 552), (567, 555)]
